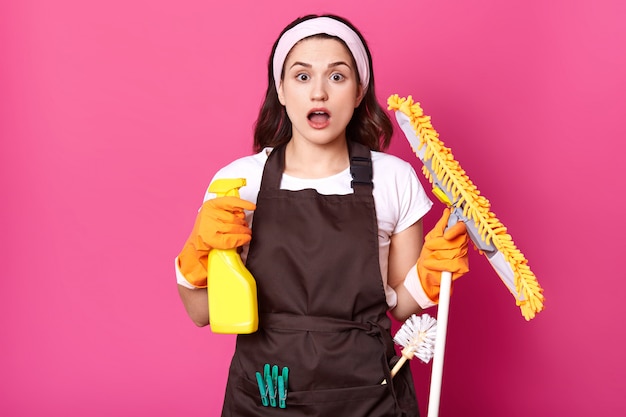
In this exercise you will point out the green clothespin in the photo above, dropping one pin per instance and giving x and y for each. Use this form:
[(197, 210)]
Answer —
[(283, 380), (262, 389), (275, 376), (286, 376), (271, 390), (272, 386)]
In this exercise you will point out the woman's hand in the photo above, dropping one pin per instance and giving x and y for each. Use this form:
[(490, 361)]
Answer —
[(443, 250), (220, 224)]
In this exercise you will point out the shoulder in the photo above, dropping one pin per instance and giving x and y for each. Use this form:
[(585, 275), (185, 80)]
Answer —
[(250, 163), (387, 166), (249, 167), (399, 195), (389, 160)]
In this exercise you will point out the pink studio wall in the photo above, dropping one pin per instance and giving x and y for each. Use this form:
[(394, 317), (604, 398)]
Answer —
[(114, 115)]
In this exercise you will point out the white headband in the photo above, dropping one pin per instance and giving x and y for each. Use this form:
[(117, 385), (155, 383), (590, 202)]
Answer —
[(317, 26)]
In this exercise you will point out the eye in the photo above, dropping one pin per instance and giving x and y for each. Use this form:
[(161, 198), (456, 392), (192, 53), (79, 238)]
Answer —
[(302, 77), (337, 77)]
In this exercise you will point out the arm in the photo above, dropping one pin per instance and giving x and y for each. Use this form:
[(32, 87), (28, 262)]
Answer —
[(220, 224), (444, 249), (403, 253), (196, 303)]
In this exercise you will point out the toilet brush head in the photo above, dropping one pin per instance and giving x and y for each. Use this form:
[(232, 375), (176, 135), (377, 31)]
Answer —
[(417, 336)]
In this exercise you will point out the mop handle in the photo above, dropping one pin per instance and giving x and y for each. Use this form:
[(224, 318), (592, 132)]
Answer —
[(440, 344)]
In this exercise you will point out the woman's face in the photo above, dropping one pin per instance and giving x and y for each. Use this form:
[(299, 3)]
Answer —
[(320, 90)]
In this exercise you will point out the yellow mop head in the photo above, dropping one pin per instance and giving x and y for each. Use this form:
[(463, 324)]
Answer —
[(453, 187)]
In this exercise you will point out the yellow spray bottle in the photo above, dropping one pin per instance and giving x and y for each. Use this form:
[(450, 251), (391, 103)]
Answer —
[(231, 287)]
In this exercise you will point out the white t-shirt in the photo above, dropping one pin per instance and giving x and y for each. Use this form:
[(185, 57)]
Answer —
[(399, 197)]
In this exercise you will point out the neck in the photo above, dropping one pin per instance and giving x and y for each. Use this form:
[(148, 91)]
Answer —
[(305, 160)]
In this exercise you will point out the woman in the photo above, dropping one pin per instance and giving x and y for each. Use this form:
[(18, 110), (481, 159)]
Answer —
[(334, 238)]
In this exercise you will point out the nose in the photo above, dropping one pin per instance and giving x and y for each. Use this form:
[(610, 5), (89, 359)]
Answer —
[(319, 92)]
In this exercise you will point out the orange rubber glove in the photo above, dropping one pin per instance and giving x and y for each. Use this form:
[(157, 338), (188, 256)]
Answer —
[(443, 250), (220, 224)]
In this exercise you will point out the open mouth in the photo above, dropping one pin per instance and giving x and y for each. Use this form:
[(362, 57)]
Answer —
[(318, 117)]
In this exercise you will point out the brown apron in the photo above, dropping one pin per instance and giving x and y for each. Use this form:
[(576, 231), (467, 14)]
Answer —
[(322, 308)]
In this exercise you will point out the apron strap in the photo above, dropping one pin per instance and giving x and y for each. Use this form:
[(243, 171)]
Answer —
[(286, 321), (360, 168), (274, 168), (295, 322)]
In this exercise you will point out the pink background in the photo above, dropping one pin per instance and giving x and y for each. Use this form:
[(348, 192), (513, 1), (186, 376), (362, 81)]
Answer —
[(115, 114)]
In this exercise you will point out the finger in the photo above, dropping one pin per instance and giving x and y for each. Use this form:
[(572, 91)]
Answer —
[(225, 228), (440, 243), (455, 231), (456, 266), (447, 254), (230, 203), (229, 241), (443, 221), (222, 216)]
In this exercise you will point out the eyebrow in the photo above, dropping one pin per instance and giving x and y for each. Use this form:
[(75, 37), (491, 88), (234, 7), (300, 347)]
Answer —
[(331, 65)]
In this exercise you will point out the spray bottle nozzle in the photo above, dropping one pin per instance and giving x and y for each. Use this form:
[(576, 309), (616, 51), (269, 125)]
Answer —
[(227, 186)]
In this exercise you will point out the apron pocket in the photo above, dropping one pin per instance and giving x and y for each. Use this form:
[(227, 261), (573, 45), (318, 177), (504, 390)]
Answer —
[(373, 400)]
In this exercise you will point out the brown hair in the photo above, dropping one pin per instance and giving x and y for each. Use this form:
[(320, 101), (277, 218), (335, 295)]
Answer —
[(369, 125)]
